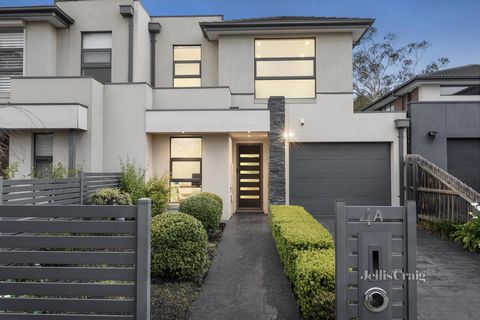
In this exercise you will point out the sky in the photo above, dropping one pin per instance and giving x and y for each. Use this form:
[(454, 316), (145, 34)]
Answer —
[(451, 26)]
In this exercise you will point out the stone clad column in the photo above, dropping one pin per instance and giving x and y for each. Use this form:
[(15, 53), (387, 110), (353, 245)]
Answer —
[(276, 168)]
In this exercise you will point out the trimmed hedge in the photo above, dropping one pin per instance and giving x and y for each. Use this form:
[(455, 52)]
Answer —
[(306, 250), (205, 209), (110, 197), (179, 247), (294, 229), (315, 284)]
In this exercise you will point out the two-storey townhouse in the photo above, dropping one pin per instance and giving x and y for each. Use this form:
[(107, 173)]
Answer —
[(444, 107), (258, 110)]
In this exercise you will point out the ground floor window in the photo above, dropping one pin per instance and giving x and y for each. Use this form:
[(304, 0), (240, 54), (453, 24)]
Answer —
[(185, 167), (43, 154)]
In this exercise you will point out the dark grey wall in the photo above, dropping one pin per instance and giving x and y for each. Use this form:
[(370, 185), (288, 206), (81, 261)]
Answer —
[(276, 173), (449, 119)]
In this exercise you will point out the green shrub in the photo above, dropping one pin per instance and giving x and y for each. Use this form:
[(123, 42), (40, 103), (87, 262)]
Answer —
[(468, 234), (179, 247), (214, 196), (111, 197), (9, 172), (205, 209), (442, 228), (132, 180), (315, 284), (294, 229), (158, 189)]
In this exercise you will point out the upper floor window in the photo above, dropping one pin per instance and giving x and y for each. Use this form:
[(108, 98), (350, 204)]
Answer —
[(11, 56), (97, 56), (467, 90), (285, 67), (187, 66)]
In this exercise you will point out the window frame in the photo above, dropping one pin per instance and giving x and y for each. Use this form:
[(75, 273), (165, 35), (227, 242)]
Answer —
[(314, 59), (175, 62), (185, 159), (35, 157), (457, 86), (95, 65), (14, 71)]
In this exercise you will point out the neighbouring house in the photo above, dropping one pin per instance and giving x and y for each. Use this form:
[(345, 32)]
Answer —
[(444, 107), (257, 110)]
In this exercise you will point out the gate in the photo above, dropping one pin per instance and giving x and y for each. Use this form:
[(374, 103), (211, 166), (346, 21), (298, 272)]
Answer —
[(75, 262), (376, 262)]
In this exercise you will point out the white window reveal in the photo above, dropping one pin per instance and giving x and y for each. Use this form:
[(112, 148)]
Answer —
[(11, 56), (285, 67), (97, 56)]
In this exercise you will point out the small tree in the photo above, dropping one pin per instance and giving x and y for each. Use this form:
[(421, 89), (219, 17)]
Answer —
[(132, 180), (379, 66)]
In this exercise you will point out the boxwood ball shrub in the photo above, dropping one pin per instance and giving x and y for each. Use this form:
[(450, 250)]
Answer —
[(111, 197), (315, 284), (179, 247), (158, 190), (205, 209), (214, 196)]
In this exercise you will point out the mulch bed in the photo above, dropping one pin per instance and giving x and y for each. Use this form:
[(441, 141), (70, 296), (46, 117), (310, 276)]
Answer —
[(174, 300)]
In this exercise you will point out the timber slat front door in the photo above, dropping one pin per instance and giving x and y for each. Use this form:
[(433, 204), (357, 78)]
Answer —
[(249, 176)]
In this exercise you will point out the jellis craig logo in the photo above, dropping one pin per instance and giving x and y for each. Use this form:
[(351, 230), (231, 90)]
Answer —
[(382, 275)]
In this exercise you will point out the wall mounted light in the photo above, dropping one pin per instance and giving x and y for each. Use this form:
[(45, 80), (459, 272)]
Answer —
[(302, 121), (432, 134)]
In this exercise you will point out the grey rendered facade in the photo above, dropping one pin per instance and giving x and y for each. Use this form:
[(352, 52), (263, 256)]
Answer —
[(444, 108), (103, 81)]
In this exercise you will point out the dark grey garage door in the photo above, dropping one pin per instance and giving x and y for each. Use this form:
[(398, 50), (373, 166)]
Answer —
[(320, 173), (464, 160)]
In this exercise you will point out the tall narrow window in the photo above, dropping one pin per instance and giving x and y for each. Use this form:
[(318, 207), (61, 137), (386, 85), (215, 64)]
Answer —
[(285, 67), (185, 167), (43, 153), (11, 56), (97, 56), (187, 66)]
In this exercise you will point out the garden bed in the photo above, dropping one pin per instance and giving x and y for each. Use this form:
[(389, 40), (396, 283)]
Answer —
[(173, 300)]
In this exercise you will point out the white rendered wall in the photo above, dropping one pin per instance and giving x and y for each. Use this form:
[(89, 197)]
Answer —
[(40, 49), (21, 153)]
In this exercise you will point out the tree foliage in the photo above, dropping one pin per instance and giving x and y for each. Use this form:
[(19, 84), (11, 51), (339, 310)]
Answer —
[(380, 65)]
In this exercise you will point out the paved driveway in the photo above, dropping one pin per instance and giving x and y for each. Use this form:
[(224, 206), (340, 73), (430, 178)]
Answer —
[(246, 280), (452, 289)]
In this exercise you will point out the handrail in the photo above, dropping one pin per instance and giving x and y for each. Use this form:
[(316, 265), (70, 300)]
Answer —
[(450, 181)]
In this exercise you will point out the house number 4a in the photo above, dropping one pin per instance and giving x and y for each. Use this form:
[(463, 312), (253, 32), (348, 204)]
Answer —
[(369, 217)]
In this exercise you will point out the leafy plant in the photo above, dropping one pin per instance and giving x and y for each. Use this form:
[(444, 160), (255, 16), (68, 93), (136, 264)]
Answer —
[(468, 234), (9, 172), (58, 171), (132, 180), (214, 196), (111, 197), (179, 247), (158, 189), (204, 208)]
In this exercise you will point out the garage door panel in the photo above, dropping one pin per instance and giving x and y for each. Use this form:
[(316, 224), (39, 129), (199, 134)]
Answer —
[(340, 151), (340, 187), (340, 168), (320, 173), (326, 205), (464, 160)]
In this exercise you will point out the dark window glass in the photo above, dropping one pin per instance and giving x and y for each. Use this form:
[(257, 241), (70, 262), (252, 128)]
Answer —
[(11, 56), (43, 154), (97, 56)]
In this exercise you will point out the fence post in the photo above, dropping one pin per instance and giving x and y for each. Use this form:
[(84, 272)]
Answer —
[(1, 190), (144, 218), (81, 175)]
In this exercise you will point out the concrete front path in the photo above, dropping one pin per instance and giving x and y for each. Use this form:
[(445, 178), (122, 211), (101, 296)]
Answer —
[(452, 289), (246, 280)]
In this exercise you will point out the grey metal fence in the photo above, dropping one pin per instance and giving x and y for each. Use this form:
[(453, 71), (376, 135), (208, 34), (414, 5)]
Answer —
[(75, 190), (75, 262)]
